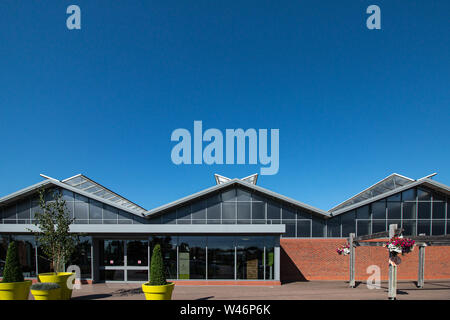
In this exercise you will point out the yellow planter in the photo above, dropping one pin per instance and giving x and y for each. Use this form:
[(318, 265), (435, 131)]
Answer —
[(15, 290), (54, 294), (61, 279), (158, 292)]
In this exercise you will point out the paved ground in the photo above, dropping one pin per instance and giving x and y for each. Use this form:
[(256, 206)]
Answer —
[(316, 290)]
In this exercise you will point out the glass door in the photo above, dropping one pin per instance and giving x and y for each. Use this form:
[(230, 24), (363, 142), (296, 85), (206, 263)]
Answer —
[(137, 260), (123, 260)]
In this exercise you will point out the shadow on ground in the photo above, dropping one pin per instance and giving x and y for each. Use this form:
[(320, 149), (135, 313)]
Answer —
[(92, 297), (127, 292)]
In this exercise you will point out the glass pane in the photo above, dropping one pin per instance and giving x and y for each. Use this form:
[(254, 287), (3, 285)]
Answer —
[(258, 211), (110, 214), (243, 212), (334, 227), (424, 211), (409, 210), (95, 210), (82, 257), (229, 195), (170, 217), (229, 212), (243, 195), (378, 226), (220, 257), (199, 210), (318, 227), (395, 197), (23, 211), (137, 275), (409, 195), (302, 215), (270, 243), (184, 213), (9, 214), (290, 229), (125, 217), (112, 252), (27, 257), (363, 227), (424, 226), (249, 257), (438, 227), (394, 210), (213, 210), (192, 257), (43, 261), (288, 213), (379, 210), (363, 213), (423, 195), (438, 210), (67, 195), (137, 253), (348, 223), (112, 275), (81, 211), (303, 228), (273, 211), (409, 227)]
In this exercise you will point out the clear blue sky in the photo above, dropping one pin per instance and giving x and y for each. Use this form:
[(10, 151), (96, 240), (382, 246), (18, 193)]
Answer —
[(352, 105)]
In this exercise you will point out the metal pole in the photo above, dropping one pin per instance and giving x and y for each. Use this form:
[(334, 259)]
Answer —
[(352, 260), (420, 280), (392, 292)]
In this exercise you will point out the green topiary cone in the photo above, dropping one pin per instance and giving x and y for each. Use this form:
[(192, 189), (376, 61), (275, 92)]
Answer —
[(13, 269), (157, 274)]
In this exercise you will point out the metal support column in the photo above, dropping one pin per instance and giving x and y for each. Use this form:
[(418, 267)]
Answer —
[(352, 260), (420, 280)]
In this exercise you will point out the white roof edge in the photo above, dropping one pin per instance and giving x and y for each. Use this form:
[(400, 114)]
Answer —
[(373, 185), (428, 176), (389, 193), (77, 175)]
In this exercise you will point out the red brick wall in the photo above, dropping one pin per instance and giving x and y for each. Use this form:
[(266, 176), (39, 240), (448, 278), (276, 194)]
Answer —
[(317, 259)]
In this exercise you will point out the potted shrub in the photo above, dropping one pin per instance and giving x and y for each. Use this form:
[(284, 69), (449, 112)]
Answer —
[(46, 291), (13, 286), (54, 237), (158, 288)]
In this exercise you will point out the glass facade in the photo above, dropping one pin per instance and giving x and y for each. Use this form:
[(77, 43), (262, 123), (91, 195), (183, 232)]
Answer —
[(218, 257), (190, 257), (417, 210), (34, 261)]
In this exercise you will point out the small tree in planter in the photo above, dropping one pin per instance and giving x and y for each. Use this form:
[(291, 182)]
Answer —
[(54, 238), (13, 286), (13, 269), (158, 288), (157, 274)]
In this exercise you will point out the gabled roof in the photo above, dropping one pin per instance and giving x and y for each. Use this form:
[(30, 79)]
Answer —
[(54, 182), (427, 182), (88, 185), (233, 182), (387, 184)]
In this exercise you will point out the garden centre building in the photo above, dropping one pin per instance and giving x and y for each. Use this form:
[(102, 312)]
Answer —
[(235, 232)]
